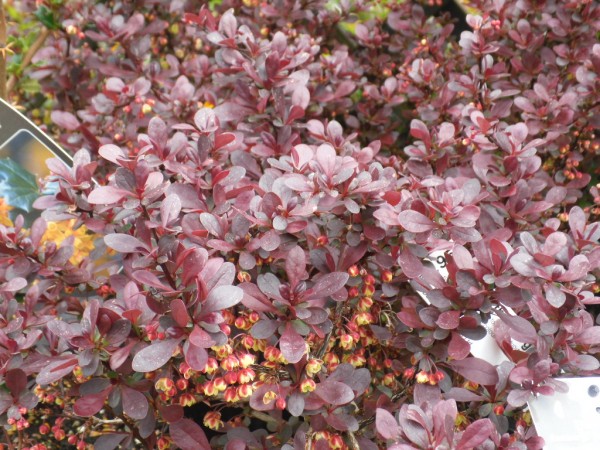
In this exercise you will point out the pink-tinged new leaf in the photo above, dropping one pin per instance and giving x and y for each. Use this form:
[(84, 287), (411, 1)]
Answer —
[(292, 345), (125, 243), (65, 120), (476, 434), (386, 425), (578, 268), (170, 209), (107, 195), (476, 370), (135, 404), (415, 222), (419, 131), (295, 265), (188, 435), (589, 336), (154, 356)]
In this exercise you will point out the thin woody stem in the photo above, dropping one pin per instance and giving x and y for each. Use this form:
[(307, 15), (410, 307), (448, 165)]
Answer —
[(12, 81), (3, 49)]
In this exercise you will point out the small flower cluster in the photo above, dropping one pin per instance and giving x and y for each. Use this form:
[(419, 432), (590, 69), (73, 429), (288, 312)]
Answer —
[(257, 193)]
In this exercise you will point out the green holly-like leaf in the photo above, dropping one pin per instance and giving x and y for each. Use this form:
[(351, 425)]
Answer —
[(47, 17), (18, 187)]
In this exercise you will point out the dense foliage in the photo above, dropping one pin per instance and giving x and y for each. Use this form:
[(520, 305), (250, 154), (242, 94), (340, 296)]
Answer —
[(264, 182)]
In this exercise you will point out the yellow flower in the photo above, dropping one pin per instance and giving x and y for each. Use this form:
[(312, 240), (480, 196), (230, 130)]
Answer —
[(4, 217), (83, 241)]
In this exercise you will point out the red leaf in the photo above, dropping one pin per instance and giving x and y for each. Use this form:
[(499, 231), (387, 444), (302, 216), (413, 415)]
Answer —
[(154, 356), (170, 413), (476, 370), (180, 313), (292, 345), (476, 434), (16, 381), (458, 348), (415, 222), (90, 404), (56, 370), (188, 435)]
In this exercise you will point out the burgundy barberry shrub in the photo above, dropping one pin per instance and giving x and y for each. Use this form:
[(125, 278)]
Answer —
[(264, 183)]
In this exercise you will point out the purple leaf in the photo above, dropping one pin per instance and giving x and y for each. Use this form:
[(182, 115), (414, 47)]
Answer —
[(387, 426), (415, 222), (109, 441), (6, 401), (222, 297), (135, 404), (335, 392), (195, 356), (522, 326), (264, 329), (188, 435), (578, 268), (476, 370), (327, 285), (154, 356), (292, 345), (149, 279), (476, 434), (124, 243), (448, 320)]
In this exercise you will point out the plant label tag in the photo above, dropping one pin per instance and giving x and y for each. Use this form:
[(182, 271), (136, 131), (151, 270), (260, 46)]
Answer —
[(569, 420), (486, 348), (24, 149)]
